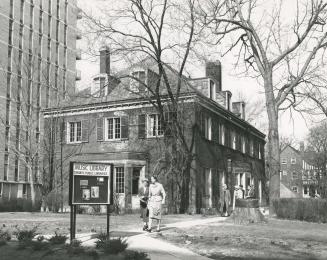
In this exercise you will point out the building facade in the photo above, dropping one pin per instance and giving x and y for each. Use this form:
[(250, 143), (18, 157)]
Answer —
[(38, 58), (298, 177), (122, 127)]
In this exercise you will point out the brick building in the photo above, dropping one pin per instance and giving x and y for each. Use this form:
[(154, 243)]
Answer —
[(122, 127), (38, 57), (298, 177)]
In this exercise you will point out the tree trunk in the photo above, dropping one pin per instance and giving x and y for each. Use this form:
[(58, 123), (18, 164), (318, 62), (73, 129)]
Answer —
[(30, 174), (273, 160), (185, 189)]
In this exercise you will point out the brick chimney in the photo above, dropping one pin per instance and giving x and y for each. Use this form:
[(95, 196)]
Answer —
[(224, 99), (101, 87), (238, 108), (213, 70)]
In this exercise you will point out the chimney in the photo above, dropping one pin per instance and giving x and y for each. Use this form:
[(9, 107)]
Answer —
[(224, 99), (302, 147), (105, 60), (213, 70), (100, 81), (238, 108)]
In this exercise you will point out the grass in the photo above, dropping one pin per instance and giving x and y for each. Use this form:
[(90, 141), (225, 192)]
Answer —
[(277, 239)]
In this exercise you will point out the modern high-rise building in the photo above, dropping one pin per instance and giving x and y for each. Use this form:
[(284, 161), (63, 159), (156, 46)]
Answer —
[(38, 70)]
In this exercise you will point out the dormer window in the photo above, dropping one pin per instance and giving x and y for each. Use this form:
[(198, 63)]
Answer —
[(137, 81), (212, 90)]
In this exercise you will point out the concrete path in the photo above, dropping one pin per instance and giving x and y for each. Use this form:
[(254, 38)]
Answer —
[(156, 248)]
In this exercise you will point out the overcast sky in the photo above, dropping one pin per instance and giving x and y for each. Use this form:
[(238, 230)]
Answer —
[(291, 124)]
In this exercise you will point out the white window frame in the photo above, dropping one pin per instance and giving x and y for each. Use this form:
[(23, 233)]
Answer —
[(234, 140), (284, 172), (120, 184), (295, 189), (75, 139), (152, 133), (134, 84), (114, 130), (208, 128), (293, 160), (259, 152), (243, 144), (222, 134), (297, 176), (283, 161)]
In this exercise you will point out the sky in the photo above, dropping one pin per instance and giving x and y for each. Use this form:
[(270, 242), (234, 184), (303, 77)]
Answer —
[(293, 125)]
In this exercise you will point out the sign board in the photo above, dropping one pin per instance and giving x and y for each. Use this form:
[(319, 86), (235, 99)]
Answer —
[(90, 183)]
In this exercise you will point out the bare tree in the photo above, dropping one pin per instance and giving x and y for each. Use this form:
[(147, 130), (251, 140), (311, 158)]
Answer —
[(162, 33), (282, 54)]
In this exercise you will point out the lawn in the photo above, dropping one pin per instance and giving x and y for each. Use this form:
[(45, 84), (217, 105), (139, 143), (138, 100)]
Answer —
[(48, 223), (277, 239)]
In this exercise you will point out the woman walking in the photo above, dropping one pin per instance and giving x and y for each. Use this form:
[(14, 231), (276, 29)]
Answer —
[(144, 196), (157, 196)]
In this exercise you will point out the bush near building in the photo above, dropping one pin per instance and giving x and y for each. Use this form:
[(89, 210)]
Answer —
[(312, 210), (18, 205)]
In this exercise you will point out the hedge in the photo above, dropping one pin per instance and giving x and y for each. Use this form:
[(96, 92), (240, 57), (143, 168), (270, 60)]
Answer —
[(312, 210), (18, 205)]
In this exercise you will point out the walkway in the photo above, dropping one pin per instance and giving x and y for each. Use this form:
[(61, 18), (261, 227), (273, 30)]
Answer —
[(156, 248)]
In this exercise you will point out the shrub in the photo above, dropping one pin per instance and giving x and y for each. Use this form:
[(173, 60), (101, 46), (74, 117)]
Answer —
[(75, 248), (18, 205), (38, 245), (134, 255), (25, 234), (113, 246), (3, 242), (58, 239), (313, 210), (5, 235)]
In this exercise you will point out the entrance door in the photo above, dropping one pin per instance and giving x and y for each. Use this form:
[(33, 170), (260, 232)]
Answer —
[(136, 175)]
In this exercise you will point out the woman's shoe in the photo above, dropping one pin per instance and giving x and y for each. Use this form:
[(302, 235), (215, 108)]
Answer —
[(145, 228)]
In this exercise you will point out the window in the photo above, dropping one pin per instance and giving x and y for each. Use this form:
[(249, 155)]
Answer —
[(113, 128), (243, 144), (137, 81), (259, 152), (294, 175), (306, 190), (222, 134), (294, 188), (207, 128), (293, 160), (155, 126), (284, 173), (120, 180), (75, 132), (233, 137), (25, 190), (284, 161), (251, 148)]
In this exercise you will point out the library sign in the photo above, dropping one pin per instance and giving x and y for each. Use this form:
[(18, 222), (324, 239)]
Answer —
[(90, 183)]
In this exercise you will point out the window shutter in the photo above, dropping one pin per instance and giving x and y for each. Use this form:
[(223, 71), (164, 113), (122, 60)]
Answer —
[(124, 127), (100, 129), (141, 126), (85, 130)]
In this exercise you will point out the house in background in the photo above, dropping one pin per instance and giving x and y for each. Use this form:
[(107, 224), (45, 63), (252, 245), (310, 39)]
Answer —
[(119, 125), (298, 177)]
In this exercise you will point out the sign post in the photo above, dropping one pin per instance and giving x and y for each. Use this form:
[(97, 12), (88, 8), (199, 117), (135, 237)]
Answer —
[(89, 184)]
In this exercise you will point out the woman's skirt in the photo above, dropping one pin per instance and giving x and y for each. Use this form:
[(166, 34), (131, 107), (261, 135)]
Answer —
[(155, 209)]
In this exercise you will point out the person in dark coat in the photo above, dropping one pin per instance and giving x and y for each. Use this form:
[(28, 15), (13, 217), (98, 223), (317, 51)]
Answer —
[(144, 196), (225, 201)]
